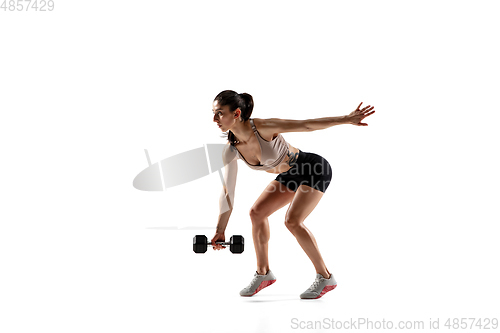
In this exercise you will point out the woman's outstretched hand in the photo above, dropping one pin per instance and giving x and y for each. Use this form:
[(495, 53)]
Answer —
[(357, 115)]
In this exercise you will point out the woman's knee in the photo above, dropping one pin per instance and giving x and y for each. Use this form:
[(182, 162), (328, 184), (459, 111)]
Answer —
[(292, 223), (256, 216)]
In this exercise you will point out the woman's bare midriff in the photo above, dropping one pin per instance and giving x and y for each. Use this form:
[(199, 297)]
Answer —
[(288, 162), (252, 149)]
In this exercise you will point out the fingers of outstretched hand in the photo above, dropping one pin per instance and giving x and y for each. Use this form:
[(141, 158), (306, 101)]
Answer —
[(368, 114)]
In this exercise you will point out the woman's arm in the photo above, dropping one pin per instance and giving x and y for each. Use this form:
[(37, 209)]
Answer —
[(277, 125), (353, 118), (226, 199)]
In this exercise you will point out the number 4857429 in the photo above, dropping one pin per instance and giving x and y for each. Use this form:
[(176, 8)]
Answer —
[(477, 323), (26, 5)]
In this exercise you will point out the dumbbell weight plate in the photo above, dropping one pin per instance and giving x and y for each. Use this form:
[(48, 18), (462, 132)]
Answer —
[(237, 244), (200, 244)]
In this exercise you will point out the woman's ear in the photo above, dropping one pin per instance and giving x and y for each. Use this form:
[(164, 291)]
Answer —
[(237, 113)]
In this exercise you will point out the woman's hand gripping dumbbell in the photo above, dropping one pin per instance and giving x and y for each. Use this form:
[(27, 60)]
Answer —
[(219, 237)]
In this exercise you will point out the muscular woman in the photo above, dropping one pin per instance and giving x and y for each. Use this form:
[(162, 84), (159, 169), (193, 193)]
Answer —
[(303, 178)]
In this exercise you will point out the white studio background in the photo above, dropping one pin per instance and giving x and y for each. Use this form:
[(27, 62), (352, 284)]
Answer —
[(408, 226)]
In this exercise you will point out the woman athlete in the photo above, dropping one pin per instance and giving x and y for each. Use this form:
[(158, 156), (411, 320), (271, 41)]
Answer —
[(302, 179)]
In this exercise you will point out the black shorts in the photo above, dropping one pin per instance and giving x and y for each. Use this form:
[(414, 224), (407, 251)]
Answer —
[(310, 169)]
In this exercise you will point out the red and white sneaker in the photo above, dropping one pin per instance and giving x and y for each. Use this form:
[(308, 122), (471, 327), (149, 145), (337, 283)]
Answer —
[(258, 283), (319, 287)]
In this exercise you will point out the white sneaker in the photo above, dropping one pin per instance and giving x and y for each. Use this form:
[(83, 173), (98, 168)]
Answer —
[(258, 283), (319, 287)]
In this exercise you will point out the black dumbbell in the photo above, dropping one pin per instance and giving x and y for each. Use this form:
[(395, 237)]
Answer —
[(236, 244)]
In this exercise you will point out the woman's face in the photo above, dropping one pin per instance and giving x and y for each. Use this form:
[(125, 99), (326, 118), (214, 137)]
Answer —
[(222, 116)]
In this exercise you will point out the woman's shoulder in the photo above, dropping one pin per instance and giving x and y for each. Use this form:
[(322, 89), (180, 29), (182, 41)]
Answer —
[(259, 124), (258, 121), (229, 152), (265, 131)]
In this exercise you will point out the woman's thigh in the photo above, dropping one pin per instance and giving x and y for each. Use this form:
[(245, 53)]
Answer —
[(302, 205), (274, 197)]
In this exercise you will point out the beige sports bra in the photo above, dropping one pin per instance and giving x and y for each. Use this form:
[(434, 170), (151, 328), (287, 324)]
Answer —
[(273, 152)]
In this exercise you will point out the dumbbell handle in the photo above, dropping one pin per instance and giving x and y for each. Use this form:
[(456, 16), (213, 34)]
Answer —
[(221, 243)]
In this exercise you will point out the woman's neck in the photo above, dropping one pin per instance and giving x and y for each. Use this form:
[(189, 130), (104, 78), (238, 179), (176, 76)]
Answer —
[(243, 132)]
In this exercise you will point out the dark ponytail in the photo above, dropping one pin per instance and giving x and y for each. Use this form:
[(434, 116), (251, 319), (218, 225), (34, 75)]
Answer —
[(234, 100)]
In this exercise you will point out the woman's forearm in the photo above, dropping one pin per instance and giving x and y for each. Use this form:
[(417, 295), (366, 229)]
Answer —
[(225, 208), (223, 220), (325, 122)]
